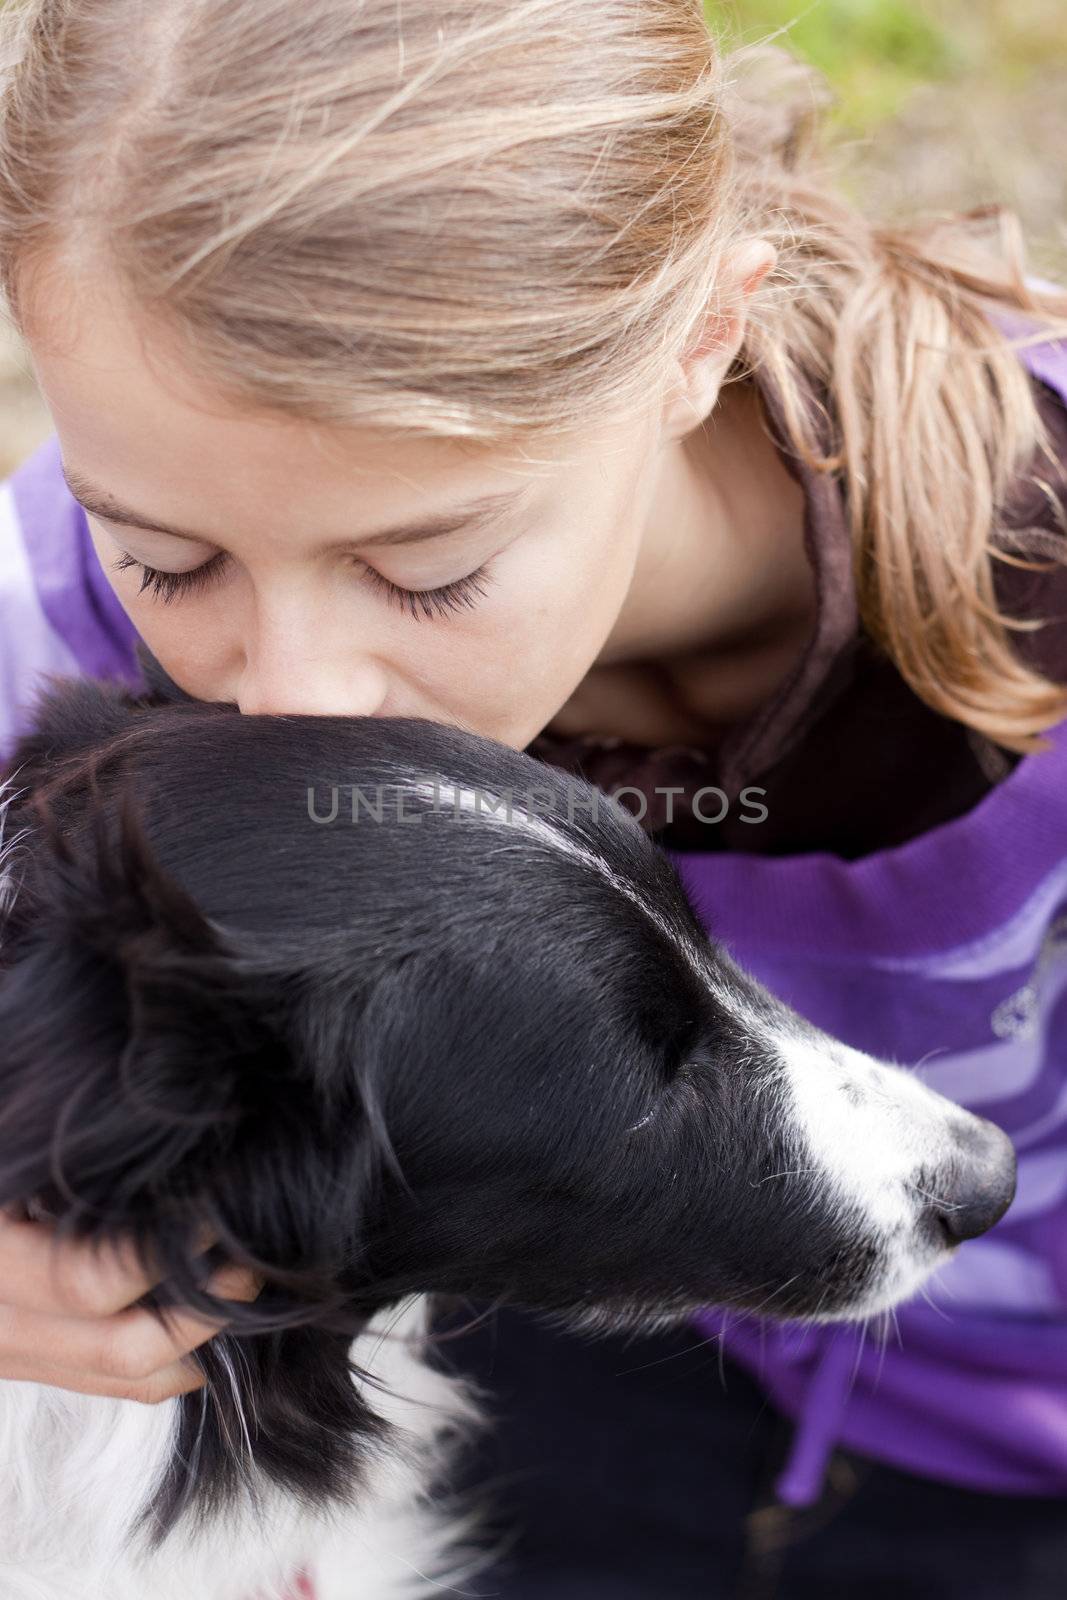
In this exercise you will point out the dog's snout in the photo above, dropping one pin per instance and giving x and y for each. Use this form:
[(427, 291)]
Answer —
[(983, 1185)]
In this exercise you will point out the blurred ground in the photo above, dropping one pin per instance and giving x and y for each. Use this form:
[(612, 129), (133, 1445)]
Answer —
[(943, 104)]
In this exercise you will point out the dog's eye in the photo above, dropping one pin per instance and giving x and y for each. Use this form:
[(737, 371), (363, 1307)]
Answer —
[(679, 1070), (686, 1063)]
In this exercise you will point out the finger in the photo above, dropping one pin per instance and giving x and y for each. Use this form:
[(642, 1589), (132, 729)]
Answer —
[(178, 1379), (69, 1278), (131, 1347)]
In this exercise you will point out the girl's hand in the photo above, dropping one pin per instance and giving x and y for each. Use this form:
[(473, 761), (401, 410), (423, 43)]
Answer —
[(67, 1319)]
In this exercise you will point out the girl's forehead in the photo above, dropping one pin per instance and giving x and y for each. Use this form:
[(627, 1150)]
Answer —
[(134, 413), (124, 393)]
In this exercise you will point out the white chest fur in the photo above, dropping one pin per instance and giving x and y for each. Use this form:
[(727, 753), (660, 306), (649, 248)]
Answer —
[(76, 1471)]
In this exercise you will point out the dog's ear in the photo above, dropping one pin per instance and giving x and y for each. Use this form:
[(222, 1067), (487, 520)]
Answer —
[(149, 1090), (77, 726), (112, 983), (69, 717), (73, 721), (147, 1079)]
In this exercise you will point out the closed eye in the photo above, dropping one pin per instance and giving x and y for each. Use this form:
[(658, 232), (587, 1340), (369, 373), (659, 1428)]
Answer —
[(169, 585), (463, 594)]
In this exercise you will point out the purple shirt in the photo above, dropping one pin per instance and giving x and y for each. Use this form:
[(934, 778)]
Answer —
[(58, 613), (948, 953)]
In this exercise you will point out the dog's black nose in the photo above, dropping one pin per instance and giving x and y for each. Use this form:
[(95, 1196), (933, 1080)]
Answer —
[(983, 1186)]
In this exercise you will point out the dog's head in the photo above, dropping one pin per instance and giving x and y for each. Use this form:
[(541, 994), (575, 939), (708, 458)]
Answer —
[(386, 1008)]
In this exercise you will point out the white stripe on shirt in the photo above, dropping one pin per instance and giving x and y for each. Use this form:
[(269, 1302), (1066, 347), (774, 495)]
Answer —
[(29, 646)]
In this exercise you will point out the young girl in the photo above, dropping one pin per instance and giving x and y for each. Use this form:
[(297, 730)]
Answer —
[(511, 363)]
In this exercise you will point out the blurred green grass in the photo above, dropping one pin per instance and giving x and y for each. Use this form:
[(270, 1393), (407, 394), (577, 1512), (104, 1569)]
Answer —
[(873, 51), (877, 52), (940, 104)]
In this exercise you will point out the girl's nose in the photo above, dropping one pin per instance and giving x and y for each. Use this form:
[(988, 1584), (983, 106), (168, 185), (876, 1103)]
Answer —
[(309, 687)]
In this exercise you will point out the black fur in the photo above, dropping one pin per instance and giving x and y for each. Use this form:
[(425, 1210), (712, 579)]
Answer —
[(372, 1058)]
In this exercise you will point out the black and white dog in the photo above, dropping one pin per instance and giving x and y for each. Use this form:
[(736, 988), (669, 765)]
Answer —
[(379, 1008)]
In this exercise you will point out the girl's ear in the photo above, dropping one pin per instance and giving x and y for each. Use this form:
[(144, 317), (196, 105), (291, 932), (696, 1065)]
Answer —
[(700, 374)]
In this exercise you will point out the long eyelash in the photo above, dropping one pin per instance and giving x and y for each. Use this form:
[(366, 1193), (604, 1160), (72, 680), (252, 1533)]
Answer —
[(464, 594), (168, 585)]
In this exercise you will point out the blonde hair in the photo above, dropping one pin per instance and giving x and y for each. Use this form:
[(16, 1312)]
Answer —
[(492, 219)]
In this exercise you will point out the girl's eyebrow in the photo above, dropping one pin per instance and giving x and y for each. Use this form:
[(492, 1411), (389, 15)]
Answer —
[(471, 515)]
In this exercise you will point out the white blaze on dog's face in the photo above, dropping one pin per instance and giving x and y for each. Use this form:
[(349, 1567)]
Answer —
[(898, 1173), (916, 1173)]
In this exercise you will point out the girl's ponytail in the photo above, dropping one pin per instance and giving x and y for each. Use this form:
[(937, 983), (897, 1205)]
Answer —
[(888, 351)]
